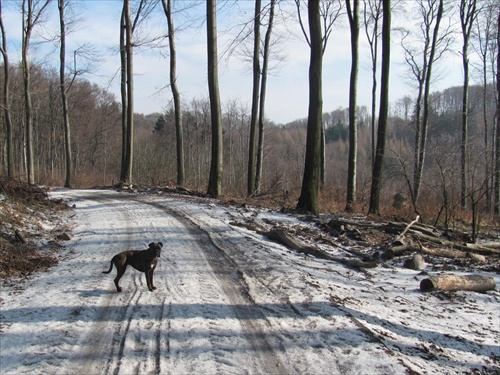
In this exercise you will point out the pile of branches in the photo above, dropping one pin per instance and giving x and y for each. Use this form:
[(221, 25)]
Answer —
[(18, 190)]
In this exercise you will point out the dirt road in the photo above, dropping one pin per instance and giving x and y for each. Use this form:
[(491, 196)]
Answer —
[(228, 301)]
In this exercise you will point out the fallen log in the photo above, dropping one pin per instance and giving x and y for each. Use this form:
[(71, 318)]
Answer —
[(476, 283), (280, 236), (399, 249), (444, 253), (441, 241)]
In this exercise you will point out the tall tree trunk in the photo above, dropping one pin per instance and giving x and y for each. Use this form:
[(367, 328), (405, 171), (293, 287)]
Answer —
[(308, 200), (129, 155), (383, 112), (467, 16), (167, 8), (27, 29), (215, 180), (262, 99), (497, 138), (353, 15), (123, 94), (31, 12), (375, 13), (67, 132), (255, 101), (421, 139), (6, 99)]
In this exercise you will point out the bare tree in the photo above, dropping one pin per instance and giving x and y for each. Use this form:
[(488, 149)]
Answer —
[(468, 14), (372, 18), (497, 140), (420, 60), (255, 100), (167, 8), (328, 13), (64, 97), (128, 26), (353, 16), (384, 110), (129, 97), (308, 200), (32, 12), (216, 168), (262, 98), (485, 36), (6, 99)]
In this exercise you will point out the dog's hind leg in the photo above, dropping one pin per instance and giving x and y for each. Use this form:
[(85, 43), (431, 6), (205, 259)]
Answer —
[(121, 271)]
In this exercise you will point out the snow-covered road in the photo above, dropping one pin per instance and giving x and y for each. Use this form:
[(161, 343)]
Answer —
[(228, 301)]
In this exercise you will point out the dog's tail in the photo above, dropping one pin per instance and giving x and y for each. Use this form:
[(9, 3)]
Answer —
[(110, 267)]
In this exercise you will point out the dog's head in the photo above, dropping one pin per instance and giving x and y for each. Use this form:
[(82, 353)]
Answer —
[(156, 247)]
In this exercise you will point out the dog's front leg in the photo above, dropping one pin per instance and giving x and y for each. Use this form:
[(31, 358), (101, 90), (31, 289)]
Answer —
[(151, 276), (148, 280)]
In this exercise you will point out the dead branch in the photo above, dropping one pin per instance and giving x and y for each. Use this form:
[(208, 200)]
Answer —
[(401, 236)]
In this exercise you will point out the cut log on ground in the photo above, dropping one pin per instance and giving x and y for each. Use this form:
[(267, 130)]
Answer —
[(441, 241), (400, 248), (476, 283), (444, 253)]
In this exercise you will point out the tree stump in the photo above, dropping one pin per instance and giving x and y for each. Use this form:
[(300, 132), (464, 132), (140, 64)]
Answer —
[(415, 263)]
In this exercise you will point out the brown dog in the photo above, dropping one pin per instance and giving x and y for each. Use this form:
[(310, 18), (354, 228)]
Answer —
[(142, 260)]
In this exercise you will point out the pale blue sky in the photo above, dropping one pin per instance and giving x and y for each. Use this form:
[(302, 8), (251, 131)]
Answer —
[(287, 96)]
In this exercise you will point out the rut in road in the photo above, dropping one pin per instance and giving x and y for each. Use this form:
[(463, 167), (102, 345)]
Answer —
[(141, 332), (253, 322)]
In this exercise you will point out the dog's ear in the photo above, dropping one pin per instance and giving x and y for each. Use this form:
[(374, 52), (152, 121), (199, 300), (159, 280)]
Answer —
[(151, 245), (160, 243)]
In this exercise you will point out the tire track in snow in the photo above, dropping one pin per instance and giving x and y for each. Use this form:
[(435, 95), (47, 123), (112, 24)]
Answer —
[(234, 286), (99, 340), (141, 332)]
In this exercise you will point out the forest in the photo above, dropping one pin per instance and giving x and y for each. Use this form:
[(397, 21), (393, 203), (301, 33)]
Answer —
[(432, 153)]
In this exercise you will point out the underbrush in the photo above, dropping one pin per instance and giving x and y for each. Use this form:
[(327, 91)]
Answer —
[(28, 228)]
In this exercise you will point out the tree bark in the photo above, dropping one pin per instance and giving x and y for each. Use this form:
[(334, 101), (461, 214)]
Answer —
[(308, 200), (467, 16), (384, 110), (262, 99), (497, 139), (167, 8), (129, 156), (375, 9), (123, 94), (424, 85), (475, 283), (64, 97), (353, 15), (27, 28), (6, 100), (255, 101), (215, 180)]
